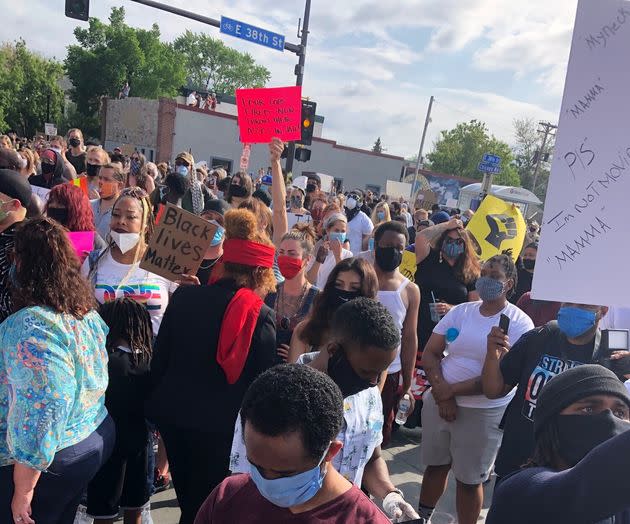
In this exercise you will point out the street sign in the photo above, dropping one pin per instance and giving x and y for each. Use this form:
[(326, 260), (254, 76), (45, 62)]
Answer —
[(491, 159), (484, 167), (252, 34)]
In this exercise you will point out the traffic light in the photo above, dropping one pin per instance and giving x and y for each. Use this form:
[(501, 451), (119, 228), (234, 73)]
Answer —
[(308, 122), (78, 9), (302, 154)]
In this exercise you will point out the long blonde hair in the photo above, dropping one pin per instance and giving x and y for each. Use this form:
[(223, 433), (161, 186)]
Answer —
[(385, 208)]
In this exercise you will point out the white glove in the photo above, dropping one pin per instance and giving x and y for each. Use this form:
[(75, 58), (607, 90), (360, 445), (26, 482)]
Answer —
[(397, 509)]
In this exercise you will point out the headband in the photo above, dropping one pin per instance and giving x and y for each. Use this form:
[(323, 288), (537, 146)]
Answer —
[(248, 253)]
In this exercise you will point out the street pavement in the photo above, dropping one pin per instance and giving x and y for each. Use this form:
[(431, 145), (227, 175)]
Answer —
[(403, 460)]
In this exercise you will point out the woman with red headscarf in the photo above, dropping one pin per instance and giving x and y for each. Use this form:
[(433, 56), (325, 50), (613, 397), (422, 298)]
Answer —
[(213, 342), (69, 206)]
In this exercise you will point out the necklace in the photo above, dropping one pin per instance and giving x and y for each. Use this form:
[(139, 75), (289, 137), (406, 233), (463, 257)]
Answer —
[(287, 314), (210, 264)]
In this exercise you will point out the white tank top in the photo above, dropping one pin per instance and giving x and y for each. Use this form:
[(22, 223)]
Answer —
[(393, 301)]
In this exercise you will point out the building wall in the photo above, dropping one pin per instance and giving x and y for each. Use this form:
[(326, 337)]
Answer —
[(212, 137)]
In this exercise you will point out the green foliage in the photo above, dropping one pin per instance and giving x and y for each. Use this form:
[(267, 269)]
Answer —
[(378, 146), (110, 55), (459, 151), (211, 65), (28, 85)]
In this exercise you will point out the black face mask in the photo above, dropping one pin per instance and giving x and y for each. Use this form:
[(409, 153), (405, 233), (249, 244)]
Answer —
[(340, 370), (74, 142), (47, 169), (238, 191), (92, 169), (529, 264), (58, 214), (579, 434), (388, 258), (351, 213), (341, 296), (310, 188)]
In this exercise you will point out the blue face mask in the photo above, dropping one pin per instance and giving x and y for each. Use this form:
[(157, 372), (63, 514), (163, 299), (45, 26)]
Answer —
[(575, 321), (181, 170), (452, 249), (341, 237), (218, 237), (380, 216), (287, 492), (371, 244), (489, 289)]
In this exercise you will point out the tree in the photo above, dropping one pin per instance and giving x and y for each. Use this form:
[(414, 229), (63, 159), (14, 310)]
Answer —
[(110, 55), (378, 146), (459, 151), (29, 92), (210, 64), (528, 143)]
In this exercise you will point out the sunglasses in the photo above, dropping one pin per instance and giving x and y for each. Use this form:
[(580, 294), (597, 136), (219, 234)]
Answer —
[(180, 162)]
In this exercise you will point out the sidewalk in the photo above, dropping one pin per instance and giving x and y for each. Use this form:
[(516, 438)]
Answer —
[(403, 460)]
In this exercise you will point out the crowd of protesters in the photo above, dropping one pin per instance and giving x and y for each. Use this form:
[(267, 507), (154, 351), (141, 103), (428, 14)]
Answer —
[(265, 385)]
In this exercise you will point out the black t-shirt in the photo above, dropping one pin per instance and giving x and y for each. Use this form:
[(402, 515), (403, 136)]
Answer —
[(205, 270), (524, 284), (79, 162), (7, 243), (433, 276), (536, 358)]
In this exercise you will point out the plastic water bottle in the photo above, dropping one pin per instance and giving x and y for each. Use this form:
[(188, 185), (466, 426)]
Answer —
[(403, 410)]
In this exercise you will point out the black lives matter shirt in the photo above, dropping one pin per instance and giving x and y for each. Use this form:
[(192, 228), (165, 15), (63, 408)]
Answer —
[(535, 359)]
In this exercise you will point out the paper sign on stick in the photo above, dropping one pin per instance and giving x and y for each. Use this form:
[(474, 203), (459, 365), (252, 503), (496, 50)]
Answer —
[(496, 227), (178, 244), (269, 112), (584, 238)]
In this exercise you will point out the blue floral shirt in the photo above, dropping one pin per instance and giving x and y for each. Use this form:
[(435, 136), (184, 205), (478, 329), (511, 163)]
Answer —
[(53, 377)]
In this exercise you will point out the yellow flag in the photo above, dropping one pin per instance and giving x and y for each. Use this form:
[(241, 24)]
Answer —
[(408, 265), (497, 226)]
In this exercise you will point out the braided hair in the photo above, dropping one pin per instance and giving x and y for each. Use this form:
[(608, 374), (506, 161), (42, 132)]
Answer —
[(129, 321), (506, 261)]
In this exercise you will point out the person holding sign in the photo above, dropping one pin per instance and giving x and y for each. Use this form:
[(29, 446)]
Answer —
[(215, 340), (115, 271)]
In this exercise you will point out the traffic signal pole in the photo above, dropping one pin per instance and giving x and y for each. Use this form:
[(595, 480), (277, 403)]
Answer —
[(299, 73)]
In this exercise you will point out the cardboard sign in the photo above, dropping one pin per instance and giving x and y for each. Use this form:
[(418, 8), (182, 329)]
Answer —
[(50, 129), (584, 238), (178, 244), (496, 227), (82, 241), (394, 190), (267, 113)]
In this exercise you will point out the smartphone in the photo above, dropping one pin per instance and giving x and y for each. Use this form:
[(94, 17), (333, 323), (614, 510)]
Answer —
[(504, 324)]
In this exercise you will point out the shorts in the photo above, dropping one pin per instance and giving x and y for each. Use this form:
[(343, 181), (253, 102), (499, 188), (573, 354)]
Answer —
[(469, 444), (122, 481)]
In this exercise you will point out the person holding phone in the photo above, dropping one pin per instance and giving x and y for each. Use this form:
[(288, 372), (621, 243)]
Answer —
[(331, 250), (460, 424)]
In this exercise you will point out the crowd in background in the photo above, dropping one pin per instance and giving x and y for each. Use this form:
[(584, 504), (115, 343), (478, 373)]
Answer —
[(265, 385)]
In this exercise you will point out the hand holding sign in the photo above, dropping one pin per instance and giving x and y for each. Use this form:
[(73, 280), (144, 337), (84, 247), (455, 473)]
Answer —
[(276, 147)]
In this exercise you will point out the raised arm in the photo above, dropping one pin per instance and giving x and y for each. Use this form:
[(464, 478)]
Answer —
[(279, 218), (428, 237)]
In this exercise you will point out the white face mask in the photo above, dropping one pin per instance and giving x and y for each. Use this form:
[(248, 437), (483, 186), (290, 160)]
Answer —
[(125, 241), (351, 203)]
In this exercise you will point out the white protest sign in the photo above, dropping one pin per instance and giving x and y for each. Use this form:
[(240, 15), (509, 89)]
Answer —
[(584, 232), (41, 192), (50, 129), (396, 190)]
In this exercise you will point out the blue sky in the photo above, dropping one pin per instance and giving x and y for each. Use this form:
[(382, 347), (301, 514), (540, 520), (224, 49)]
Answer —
[(372, 65)]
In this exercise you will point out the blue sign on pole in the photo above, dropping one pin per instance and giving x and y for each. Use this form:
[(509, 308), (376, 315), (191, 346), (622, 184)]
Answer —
[(485, 167), (491, 159), (252, 33)]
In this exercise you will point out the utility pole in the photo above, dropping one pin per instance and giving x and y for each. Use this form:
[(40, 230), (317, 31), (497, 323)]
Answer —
[(299, 73), (547, 130), (424, 135)]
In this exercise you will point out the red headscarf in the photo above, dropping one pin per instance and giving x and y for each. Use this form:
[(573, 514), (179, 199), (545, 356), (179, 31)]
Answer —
[(241, 315)]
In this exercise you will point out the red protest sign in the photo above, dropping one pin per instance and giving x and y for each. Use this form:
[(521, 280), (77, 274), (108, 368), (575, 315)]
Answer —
[(269, 112)]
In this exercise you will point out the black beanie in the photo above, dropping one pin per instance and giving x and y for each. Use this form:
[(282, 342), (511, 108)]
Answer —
[(218, 206), (572, 385)]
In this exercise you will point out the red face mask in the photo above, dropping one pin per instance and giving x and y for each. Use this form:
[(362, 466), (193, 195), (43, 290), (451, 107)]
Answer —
[(289, 267)]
